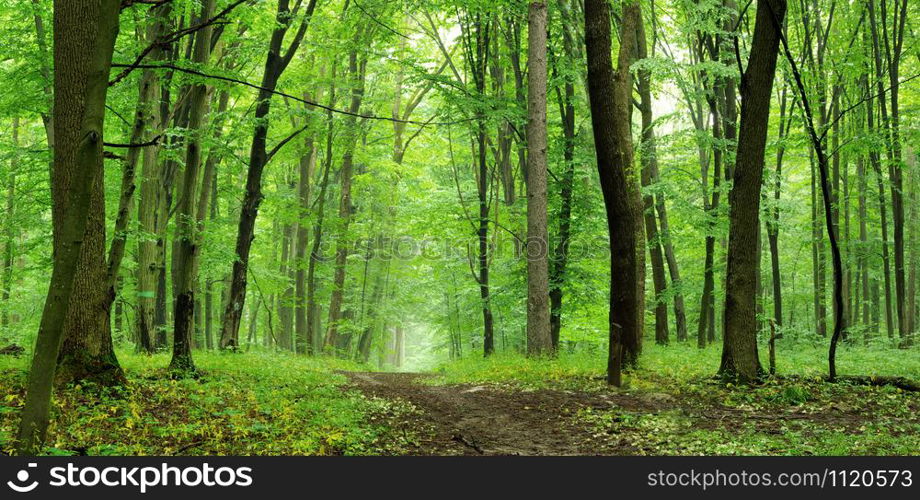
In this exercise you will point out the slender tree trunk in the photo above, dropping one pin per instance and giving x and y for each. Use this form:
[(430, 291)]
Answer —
[(773, 224), (275, 64), (187, 220), (649, 160), (356, 71), (312, 308), (285, 309), (559, 260), (478, 57), (875, 159), (305, 172), (706, 328), (862, 254), (817, 141), (9, 231), (896, 168)]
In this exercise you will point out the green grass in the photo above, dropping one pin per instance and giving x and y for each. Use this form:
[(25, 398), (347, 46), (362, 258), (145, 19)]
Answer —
[(797, 414), (261, 403), (243, 404), (677, 363)]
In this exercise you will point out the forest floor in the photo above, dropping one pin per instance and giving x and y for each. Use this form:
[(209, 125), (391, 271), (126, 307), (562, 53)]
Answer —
[(273, 403), (470, 419), (513, 406), (792, 417)]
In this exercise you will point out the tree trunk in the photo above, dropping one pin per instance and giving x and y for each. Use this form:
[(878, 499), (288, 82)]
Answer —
[(739, 351), (875, 162), (312, 307), (539, 340), (305, 172), (285, 309), (818, 147), (890, 308), (649, 160), (862, 254), (275, 64), (773, 222), (356, 71), (10, 231), (84, 40), (478, 57), (187, 220), (560, 258), (610, 93)]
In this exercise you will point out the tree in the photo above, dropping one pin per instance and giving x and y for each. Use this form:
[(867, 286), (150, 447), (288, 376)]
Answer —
[(773, 221), (187, 220), (356, 72), (275, 64), (649, 160), (566, 99), (739, 348), (611, 101), (84, 40), (539, 341), (152, 189), (477, 38)]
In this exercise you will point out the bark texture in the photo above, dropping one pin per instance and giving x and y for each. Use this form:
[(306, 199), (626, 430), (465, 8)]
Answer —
[(539, 341), (739, 348), (84, 40), (610, 93)]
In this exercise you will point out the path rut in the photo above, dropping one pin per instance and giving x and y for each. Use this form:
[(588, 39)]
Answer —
[(484, 420)]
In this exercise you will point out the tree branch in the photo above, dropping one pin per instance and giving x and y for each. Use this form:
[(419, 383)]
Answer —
[(286, 95)]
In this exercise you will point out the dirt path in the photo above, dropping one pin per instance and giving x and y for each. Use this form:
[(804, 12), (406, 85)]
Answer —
[(479, 420)]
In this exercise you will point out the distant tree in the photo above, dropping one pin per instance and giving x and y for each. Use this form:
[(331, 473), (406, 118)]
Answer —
[(277, 60)]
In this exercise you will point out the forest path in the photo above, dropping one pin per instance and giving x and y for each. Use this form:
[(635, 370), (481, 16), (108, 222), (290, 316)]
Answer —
[(491, 420)]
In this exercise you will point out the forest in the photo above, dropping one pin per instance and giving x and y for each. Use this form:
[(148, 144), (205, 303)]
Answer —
[(459, 227)]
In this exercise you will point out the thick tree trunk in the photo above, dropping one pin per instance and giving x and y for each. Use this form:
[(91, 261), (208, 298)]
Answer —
[(539, 340), (610, 94), (739, 350), (84, 40), (87, 352)]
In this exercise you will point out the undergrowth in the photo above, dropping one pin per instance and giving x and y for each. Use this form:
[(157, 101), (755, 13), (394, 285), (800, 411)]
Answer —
[(243, 404)]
